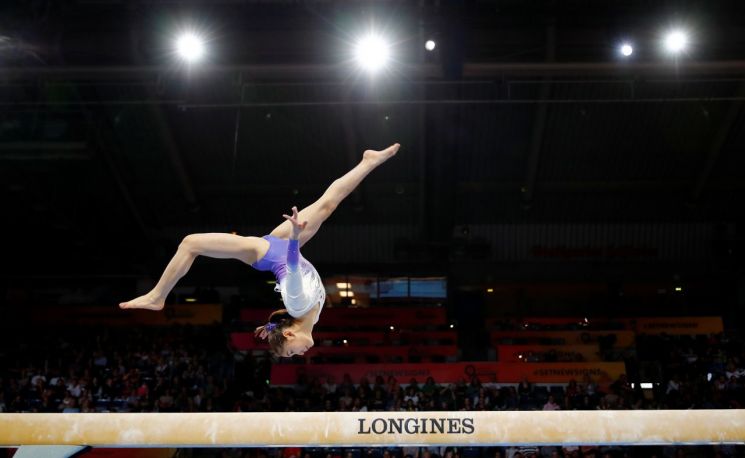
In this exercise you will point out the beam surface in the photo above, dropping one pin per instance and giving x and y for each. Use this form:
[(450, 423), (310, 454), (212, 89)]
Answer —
[(269, 429)]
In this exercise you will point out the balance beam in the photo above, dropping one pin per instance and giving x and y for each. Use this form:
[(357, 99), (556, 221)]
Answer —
[(275, 429)]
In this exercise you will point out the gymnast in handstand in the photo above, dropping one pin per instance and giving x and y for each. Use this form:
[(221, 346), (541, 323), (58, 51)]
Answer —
[(288, 330)]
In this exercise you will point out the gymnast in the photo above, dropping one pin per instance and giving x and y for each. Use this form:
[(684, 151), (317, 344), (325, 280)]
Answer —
[(288, 330)]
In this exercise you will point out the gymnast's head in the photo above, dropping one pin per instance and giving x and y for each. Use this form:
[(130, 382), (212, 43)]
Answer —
[(284, 334)]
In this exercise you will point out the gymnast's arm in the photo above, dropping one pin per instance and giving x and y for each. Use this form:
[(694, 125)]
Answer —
[(295, 298)]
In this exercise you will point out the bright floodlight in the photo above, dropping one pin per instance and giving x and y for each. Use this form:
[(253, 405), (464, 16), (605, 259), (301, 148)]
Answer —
[(626, 50), (676, 41), (190, 47), (372, 53), (430, 45)]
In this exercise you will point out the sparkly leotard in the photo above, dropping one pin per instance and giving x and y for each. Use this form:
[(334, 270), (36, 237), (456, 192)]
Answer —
[(297, 280)]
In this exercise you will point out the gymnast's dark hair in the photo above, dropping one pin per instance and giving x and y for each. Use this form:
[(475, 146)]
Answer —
[(272, 330)]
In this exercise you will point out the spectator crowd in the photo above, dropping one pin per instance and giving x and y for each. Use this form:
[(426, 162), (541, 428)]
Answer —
[(189, 369)]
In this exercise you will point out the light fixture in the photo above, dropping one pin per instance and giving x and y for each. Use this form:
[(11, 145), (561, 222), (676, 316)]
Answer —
[(676, 41), (190, 46), (372, 53), (430, 45)]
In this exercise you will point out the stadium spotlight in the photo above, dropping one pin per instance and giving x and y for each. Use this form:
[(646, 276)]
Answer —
[(626, 49), (372, 53), (190, 47), (676, 41), (430, 45)]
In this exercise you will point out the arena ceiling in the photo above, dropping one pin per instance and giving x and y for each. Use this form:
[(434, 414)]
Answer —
[(110, 152)]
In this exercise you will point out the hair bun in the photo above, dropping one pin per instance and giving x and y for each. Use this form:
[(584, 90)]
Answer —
[(278, 316)]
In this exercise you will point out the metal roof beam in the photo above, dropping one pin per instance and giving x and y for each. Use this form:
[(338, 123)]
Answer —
[(341, 72)]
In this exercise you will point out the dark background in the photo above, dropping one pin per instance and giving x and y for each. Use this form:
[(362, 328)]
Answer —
[(530, 151)]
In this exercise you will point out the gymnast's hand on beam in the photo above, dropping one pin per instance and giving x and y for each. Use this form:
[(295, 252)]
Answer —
[(297, 226)]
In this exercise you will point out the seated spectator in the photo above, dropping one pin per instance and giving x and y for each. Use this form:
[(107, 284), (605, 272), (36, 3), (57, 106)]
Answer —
[(71, 406), (330, 386), (482, 401), (572, 394), (378, 401), (551, 404), (548, 451), (589, 387), (359, 406), (673, 385), (411, 395), (346, 400), (733, 370), (429, 388)]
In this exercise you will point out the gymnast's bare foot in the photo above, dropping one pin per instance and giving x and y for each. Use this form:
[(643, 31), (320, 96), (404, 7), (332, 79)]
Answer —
[(378, 157), (147, 302)]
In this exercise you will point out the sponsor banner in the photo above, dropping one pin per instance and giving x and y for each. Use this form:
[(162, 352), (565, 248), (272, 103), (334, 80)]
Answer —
[(194, 314), (563, 323), (399, 352), (648, 325), (553, 320), (547, 353), (246, 340), (680, 325), (603, 373), (383, 317), (386, 337), (414, 425), (619, 339)]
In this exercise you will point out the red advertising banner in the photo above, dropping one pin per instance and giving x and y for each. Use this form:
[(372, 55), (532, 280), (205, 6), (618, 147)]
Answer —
[(383, 317), (622, 339), (246, 340), (679, 325), (562, 323), (602, 373), (545, 353), (649, 325), (397, 353)]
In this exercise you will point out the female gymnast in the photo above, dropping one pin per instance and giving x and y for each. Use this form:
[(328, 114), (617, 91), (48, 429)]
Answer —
[(288, 330)]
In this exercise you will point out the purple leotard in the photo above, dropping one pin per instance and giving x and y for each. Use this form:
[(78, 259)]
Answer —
[(275, 259), (297, 279)]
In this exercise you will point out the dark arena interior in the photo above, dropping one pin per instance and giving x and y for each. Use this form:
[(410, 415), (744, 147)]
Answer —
[(561, 229)]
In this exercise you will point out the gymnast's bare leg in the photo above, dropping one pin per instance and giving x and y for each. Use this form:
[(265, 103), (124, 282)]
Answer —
[(319, 211), (251, 249), (215, 245)]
